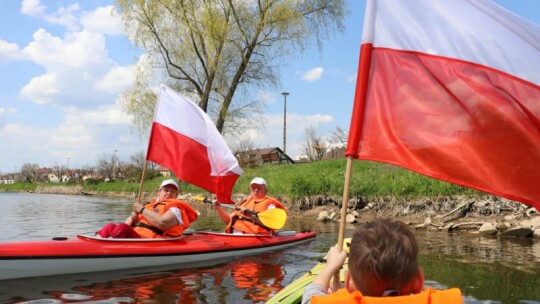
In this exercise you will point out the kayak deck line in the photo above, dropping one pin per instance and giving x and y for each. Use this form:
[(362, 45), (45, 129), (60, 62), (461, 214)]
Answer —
[(90, 254), (153, 254)]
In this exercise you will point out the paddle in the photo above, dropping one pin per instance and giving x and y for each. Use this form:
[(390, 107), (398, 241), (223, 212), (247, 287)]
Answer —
[(272, 218)]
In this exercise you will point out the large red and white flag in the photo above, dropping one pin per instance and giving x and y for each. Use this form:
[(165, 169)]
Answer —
[(451, 89), (185, 140)]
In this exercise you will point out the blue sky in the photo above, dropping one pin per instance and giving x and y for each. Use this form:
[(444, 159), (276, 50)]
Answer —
[(63, 63)]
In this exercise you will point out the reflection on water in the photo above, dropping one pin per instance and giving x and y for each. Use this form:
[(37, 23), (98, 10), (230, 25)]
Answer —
[(488, 270), (504, 270), (249, 280)]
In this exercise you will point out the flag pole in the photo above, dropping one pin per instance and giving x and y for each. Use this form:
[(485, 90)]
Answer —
[(345, 204), (357, 118), (142, 181), (355, 130), (143, 175)]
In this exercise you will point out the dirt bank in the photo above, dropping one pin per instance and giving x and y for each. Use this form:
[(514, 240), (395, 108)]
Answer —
[(433, 212)]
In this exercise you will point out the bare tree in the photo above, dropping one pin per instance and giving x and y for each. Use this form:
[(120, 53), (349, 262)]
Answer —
[(339, 136), (315, 147), (106, 166), (59, 171), (137, 160), (29, 173), (241, 151), (213, 50)]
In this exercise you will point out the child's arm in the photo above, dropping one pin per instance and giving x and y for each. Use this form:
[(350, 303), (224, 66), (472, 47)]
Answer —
[(334, 261), (319, 286)]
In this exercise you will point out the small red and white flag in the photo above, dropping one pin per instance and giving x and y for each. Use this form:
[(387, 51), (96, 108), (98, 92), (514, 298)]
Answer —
[(451, 89), (186, 141)]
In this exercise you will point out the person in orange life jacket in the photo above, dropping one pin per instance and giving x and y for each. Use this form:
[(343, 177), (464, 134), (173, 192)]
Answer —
[(383, 268), (164, 217), (241, 221)]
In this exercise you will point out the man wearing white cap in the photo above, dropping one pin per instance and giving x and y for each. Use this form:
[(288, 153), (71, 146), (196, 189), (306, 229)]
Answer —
[(165, 216), (242, 222)]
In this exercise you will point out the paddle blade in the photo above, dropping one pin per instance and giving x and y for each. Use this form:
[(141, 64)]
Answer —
[(273, 218), (200, 199)]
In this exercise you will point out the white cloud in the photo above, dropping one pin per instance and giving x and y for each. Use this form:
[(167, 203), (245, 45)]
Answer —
[(9, 51), (83, 136), (108, 115), (352, 78), (313, 74), (80, 80), (266, 97), (75, 67), (116, 80), (42, 89), (5, 112), (81, 50), (103, 20), (33, 8), (64, 16), (20, 145)]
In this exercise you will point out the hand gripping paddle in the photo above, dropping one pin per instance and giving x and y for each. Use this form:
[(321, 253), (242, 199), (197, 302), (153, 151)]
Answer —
[(272, 218)]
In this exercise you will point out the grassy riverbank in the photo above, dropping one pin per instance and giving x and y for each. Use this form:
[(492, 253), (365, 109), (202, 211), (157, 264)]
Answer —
[(368, 179)]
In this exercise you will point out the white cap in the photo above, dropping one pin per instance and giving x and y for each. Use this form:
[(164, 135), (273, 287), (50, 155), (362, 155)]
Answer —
[(169, 182), (258, 181)]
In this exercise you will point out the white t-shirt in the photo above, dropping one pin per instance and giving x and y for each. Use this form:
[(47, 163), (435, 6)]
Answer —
[(178, 213)]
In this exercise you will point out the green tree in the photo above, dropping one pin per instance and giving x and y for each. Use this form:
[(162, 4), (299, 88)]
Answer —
[(219, 52)]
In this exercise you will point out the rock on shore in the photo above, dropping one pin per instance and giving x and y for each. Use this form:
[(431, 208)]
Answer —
[(485, 215)]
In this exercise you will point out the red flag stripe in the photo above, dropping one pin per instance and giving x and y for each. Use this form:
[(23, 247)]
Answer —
[(453, 120)]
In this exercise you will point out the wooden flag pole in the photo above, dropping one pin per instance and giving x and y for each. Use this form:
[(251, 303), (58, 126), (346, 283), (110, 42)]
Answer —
[(345, 203), (142, 181), (342, 223), (143, 175)]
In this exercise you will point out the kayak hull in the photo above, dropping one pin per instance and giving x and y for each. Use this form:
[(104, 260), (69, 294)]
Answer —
[(292, 293), (88, 254)]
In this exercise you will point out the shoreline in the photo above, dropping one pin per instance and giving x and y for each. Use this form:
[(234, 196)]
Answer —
[(450, 213)]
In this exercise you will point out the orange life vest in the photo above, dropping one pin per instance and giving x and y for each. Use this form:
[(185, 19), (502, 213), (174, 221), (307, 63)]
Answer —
[(145, 229), (428, 296), (245, 223)]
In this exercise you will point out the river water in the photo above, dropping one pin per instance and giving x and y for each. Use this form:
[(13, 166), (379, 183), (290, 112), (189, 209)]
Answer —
[(487, 270)]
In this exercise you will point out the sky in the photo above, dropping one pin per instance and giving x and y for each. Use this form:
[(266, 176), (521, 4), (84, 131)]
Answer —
[(64, 63)]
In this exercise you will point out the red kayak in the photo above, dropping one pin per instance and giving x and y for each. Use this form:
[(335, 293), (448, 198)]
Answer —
[(89, 254)]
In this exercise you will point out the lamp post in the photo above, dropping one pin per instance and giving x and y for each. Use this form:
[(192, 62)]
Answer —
[(114, 165), (285, 94), (67, 170)]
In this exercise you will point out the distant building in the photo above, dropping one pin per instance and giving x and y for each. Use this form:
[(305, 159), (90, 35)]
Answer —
[(322, 151), (7, 179), (335, 152), (47, 175), (163, 171), (257, 157)]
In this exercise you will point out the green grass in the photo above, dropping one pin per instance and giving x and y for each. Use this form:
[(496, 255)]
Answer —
[(327, 177), (368, 179), (18, 187)]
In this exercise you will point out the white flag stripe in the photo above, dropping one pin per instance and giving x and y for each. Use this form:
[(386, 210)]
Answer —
[(190, 122), (503, 34), (220, 156)]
